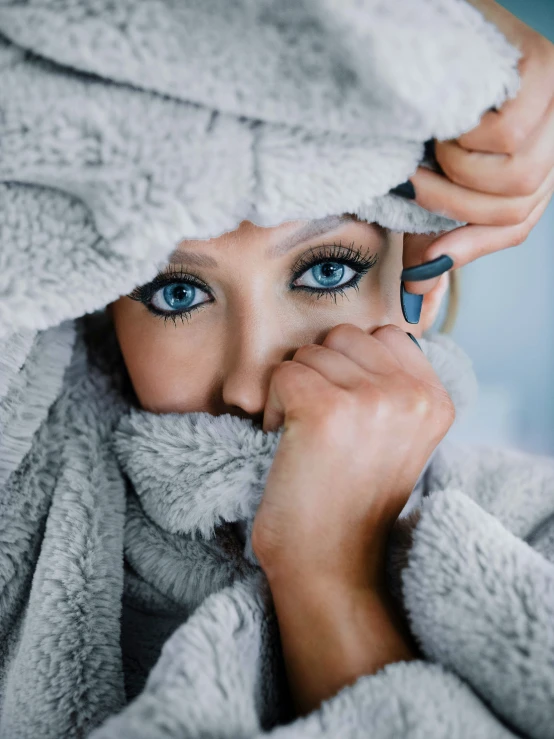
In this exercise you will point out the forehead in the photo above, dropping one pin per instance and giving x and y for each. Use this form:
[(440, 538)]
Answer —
[(278, 239)]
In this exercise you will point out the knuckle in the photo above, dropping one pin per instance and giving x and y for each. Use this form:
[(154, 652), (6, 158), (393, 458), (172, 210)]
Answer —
[(306, 350), (419, 401), (518, 234), (377, 401), (452, 165), (389, 329), (287, 372), (527, 181), (339, 334), (424, 402), (334, 416), (518, 212), (444, 410), (511, 136)]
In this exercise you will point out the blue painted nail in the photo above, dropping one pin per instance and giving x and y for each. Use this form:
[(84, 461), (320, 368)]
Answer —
[(429, 149), (430, 156), (413, 338), (405, 190), (426, 271), (411, 305)]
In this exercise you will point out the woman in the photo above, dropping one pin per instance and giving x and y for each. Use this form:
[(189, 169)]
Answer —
[(127, 504), (327, 287)]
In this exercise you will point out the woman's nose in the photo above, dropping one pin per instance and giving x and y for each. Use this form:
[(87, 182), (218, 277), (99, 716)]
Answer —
[(251, 358)]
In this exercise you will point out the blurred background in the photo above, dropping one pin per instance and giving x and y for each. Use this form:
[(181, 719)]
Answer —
[(506, 322)]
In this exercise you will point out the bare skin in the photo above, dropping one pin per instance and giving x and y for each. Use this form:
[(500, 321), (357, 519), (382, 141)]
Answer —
[(220, 359), (361, 408), (340, 373), (498, 177), (321, 530)]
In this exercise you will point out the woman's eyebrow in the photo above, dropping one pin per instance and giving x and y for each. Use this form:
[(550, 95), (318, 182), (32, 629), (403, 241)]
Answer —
[(306, 232), (194, 258)]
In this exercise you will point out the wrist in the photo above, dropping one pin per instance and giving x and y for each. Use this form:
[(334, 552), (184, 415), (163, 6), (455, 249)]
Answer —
[(357, 566), (355, 560), (310, 590), (333, 633)]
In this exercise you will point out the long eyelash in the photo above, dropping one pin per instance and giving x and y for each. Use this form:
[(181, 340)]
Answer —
[(351, 256), (144, 293), (334, 252)]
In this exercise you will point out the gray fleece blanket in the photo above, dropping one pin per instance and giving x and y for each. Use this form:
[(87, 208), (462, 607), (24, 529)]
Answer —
[(133, 605), (130, 601)]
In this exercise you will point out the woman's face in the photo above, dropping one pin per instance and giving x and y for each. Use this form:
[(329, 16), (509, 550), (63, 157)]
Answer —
[(206, 334)]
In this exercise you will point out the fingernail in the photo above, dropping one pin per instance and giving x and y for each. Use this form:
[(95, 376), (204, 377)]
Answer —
[(413, 338), (429, 149), (427, 270), (405, 190), (430, 156), (411, 305)]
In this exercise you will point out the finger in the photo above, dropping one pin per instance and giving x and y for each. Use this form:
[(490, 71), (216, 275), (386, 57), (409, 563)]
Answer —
[(360, 347), (411, 359), (518, 174), (505, 131), (468, 243), (338, 368), (292, 389), (414, 362), (438, 195), (415, 247)]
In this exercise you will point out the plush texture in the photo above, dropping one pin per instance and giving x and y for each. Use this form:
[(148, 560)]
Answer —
[(131, 604), (120, 513), (127, 127), (131, 601)]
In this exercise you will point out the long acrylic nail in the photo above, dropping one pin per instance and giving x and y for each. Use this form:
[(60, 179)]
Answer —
[(427, 270), (430, 155), (411, 305), (413, 338), (429, 149), (405, 190)]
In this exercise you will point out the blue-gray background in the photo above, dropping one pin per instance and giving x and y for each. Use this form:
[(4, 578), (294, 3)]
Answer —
[(506, 322)]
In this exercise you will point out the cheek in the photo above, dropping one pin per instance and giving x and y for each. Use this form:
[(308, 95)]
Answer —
[(376, 303), (167, 363), (367, 309)]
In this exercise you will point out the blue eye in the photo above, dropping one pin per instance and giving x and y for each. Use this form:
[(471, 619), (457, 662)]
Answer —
[(177, 296), (327, 274)]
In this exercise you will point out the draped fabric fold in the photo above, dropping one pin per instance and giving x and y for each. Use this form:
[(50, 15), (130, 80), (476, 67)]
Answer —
[(131, 603), (142, 517)]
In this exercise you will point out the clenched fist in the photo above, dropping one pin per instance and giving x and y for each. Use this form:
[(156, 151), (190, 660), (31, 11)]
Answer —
[(362, 414)]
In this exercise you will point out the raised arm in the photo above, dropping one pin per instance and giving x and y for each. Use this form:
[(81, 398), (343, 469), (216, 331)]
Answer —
[(361, 413)]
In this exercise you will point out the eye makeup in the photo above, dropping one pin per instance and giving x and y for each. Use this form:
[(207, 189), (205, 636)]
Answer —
[(350, 256), (171, 276), (358, 260)]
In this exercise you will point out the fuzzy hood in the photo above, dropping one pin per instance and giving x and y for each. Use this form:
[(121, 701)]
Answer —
[(126, 127)]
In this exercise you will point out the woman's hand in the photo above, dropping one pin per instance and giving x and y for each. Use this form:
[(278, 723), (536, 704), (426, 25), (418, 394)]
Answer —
[(362, 413), (500, 175)]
